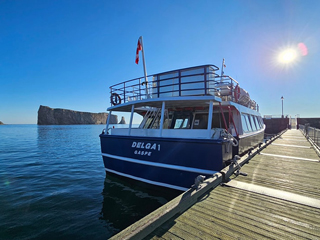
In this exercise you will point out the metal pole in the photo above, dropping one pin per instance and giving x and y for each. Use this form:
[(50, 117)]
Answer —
[(144, 67), (131, 118), (282, 105), (108, 121), (162, 118), (210, 118), (222, 73)]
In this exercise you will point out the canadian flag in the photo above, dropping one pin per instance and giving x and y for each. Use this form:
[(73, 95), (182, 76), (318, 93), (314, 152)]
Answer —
[(139, 48)]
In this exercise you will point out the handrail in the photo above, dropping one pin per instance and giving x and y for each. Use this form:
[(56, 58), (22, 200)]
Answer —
[(312, 133), (194, 81)]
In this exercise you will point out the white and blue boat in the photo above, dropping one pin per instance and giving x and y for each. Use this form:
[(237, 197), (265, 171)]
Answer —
[(194, 122)]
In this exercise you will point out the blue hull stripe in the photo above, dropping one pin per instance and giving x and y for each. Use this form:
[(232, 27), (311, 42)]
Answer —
[(148, 181), (175, 167)]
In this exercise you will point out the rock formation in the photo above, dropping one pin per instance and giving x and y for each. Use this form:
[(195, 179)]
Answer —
[(58, 116), (122, 121), (1, 123)]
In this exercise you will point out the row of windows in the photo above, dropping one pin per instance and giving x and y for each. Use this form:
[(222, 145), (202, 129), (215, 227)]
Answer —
[(189, 120), (251, 123)]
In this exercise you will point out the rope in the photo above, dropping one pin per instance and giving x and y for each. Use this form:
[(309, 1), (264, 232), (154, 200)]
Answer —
[(231, 139)]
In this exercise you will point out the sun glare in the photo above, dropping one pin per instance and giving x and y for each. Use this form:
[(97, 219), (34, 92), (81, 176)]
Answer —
[(288, 56)]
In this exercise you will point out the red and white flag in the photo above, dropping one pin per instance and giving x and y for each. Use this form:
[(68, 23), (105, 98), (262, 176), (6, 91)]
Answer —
[(139, 48)]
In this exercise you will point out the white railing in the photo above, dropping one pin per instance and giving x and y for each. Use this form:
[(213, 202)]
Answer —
[(194, 81)]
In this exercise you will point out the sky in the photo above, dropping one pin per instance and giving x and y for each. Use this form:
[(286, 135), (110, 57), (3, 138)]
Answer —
[(67, 53)]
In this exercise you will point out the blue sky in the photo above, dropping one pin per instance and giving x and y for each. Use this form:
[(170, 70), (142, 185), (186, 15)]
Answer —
[(66, 54)]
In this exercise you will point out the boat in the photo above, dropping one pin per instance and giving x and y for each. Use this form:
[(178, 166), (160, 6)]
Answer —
[(194, 122)]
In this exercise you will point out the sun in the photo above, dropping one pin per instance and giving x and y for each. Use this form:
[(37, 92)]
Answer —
[(288, 56)]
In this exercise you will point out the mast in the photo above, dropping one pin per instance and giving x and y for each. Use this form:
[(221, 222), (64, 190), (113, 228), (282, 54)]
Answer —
[(222, 72), (144, 66)]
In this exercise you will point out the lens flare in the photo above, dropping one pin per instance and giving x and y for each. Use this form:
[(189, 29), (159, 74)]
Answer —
[(303, 49), (288, 55)]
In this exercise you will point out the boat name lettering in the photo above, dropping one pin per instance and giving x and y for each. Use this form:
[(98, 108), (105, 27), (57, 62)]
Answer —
[(144, 145), (143, 153)]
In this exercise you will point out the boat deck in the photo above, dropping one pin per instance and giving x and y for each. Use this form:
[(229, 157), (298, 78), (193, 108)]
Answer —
[(278, 199)]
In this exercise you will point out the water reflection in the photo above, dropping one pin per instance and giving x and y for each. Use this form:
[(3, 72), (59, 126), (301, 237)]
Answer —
[(126, 201)]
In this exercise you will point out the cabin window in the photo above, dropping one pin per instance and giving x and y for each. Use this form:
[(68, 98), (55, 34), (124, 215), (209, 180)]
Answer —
[(257, 122), (246, 116), (249, 122), (244, 123), (152, 119), (200, 121), (218, 122), (253, 123), (255, 126), (181, 123), (182, 120)]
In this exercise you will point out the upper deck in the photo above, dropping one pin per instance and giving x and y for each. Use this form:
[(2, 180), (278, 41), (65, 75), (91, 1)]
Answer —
[(200, 82)]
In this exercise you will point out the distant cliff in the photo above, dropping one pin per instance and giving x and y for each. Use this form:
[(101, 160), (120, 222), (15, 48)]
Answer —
[(58, 116), (1, 123)]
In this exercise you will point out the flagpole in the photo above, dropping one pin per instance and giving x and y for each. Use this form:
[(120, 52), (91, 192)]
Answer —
[(222, 73), (144, 67)]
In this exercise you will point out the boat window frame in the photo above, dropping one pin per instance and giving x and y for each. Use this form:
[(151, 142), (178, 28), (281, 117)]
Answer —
[(244, 123), (253, 124), (258, 122), (183, 115), (261, 121), (206, 114), (248, 122)]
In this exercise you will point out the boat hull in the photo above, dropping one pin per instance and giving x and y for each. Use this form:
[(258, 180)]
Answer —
[(250, 141), (167, 162)]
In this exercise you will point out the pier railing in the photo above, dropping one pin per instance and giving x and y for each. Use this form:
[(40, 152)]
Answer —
[(194, 81), (312, 133)]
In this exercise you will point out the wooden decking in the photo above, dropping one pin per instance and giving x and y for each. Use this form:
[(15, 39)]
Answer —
[(278, 199)]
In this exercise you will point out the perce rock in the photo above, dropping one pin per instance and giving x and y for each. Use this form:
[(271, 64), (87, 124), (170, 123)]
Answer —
[(58, 116)]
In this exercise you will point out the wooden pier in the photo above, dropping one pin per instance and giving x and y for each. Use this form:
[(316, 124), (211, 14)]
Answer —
[(278, 199)]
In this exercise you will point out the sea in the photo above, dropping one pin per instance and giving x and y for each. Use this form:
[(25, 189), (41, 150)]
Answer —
[(53, 186)]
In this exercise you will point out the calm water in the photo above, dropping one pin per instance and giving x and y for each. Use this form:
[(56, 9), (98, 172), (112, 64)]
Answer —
[(53, 186)]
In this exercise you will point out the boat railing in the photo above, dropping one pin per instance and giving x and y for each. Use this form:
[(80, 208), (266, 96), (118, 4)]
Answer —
[(195, 81)]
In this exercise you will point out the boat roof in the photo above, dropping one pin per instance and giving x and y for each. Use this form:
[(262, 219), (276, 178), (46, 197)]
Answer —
[(170, 102), (241, 108)]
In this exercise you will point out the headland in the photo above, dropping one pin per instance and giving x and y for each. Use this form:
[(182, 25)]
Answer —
[(59, 116)]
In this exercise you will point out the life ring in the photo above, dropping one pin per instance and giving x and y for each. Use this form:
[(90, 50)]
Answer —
[(237, 93), (115, 99)]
